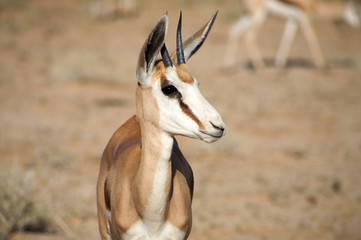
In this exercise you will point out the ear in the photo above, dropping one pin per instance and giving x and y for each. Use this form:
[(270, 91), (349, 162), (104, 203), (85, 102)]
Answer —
[(193, 43), (150, 51)]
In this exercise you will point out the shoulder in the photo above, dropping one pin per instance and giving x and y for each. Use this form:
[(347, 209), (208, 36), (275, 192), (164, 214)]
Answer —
[(125, 140)]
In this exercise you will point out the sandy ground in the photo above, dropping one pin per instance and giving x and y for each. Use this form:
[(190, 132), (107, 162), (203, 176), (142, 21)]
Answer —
[(288, 168)]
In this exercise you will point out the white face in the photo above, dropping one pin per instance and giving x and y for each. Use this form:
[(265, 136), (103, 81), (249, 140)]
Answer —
[(182, 108)]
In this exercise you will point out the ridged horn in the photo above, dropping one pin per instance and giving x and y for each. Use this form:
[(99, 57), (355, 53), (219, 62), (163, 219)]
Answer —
[(165, 56), (180, 52), (194, 42)]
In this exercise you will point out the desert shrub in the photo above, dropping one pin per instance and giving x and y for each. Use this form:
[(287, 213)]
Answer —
[(20, 208)]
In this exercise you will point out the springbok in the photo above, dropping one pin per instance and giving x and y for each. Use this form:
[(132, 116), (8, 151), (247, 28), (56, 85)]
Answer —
[(145, 185), (295, 11)]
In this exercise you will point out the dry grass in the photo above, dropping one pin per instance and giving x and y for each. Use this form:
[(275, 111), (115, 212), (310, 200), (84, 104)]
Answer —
[(21, 208)]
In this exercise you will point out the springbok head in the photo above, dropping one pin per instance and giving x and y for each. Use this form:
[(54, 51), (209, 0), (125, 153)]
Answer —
[(167, 93)]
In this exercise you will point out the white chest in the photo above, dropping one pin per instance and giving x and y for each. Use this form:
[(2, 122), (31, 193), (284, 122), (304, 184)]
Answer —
[(140, 231)]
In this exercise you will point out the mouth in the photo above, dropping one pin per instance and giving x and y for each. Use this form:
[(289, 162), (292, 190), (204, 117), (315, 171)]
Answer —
[(213, 135)]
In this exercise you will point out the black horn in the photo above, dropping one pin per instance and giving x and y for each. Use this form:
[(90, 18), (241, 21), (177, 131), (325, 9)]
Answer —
[(180, 52), (165, 56)]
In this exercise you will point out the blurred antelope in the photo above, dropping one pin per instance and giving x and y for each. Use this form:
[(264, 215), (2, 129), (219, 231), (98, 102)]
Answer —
[(145, 185), (294, 11), (120, 7)]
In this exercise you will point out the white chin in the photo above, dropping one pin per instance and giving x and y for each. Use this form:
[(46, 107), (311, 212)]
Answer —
[(209, 139)]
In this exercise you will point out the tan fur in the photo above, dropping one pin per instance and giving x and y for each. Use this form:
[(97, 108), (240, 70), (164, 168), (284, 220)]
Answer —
[(183, 74), (127, 171), (121, 165), (159, 72), (124, 144)]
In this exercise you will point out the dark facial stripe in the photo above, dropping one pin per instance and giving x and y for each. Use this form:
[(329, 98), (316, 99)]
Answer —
[(190, 114)]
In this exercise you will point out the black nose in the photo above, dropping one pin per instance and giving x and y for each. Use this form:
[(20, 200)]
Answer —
[(218, 127)]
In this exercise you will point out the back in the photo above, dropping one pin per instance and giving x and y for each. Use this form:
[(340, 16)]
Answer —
[(253, 6), (305, 5)]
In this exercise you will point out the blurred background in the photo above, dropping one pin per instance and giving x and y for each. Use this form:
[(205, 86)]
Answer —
[(288, 168)]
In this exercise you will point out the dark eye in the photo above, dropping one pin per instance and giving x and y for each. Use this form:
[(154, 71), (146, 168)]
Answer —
[(169, 90)]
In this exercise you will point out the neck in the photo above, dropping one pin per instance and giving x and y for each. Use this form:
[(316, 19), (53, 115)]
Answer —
[(153, 180)]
